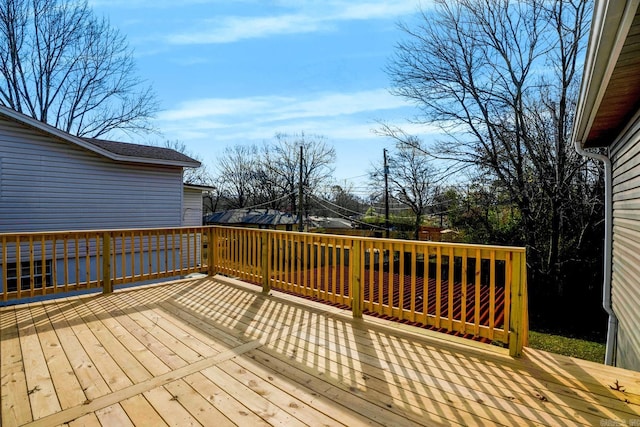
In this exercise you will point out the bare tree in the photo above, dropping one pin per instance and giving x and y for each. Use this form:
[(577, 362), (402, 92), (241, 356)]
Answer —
[(501, 77), (194, 176), (281, 160), (413, 180), (268, 176), (66, 67), (237, 169), (338, 200)]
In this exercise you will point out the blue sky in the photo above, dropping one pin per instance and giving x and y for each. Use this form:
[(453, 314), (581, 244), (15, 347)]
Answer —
[(237, 72)]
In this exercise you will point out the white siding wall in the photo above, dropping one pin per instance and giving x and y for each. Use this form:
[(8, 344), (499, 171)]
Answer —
[(625, 157), (192, 208), (49, 184)]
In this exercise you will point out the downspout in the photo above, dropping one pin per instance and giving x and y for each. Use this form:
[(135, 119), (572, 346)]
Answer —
[(608, 239)]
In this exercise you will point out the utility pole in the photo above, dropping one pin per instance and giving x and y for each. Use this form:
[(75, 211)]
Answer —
[(386, 194), (300, 195)]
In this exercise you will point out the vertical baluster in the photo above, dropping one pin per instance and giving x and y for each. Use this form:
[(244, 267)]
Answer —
[(413, 276), (508, 266), (463, 292), (438, 285), (392, 284), (425, 290), (107, 282), (451, 288), (492, 293), (476, 308), (76, 244), (355, 290)]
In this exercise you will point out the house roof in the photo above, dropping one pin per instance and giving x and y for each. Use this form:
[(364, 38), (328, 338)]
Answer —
[(250, 216), (196, 187), (114, 150), (610, 92), (329, 222), (137, 150)]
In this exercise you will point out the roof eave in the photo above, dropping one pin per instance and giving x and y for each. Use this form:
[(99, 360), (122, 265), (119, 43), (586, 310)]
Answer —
[(131, 159), (37, 124), (198, 187), (609, 28)]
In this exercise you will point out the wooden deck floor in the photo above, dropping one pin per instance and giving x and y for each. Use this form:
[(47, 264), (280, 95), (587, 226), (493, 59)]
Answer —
[(215, 352)]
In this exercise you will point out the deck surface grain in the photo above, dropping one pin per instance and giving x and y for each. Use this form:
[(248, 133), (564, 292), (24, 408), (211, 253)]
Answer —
[(215, 351)]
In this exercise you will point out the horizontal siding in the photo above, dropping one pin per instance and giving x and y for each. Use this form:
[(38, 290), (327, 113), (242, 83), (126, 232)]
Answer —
[(625, 293), (627, 341), (192, 208), (49, 184)]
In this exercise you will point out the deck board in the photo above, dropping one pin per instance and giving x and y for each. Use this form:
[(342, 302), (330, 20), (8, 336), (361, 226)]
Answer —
[(12, 377), (215, 351)]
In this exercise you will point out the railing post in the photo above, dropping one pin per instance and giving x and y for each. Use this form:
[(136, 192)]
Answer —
[(265, 264), (212, 247), (356, 279), (107, 284), (518, 328)]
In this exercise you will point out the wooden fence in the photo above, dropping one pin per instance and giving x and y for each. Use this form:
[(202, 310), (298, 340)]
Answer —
[(37, 264), (471, 290)]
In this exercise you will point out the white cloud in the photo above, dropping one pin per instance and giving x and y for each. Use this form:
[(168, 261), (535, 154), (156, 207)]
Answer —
[(375, 10), (279, 108), (339, 116), (306, 17), (212, 107), (232, 29)]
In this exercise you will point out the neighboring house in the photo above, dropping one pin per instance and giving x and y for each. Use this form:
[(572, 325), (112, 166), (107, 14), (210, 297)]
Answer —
[(608, 116), (329, 224), (192, 204), (51, 181), (255, 218)]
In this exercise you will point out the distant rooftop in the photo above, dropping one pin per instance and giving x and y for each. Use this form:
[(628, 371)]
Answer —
[(250, 217)]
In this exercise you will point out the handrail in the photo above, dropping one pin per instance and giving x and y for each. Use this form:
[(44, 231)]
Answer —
[(37, 264), (466, 289)]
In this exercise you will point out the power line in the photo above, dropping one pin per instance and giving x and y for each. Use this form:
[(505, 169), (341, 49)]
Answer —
[(346, 217), (267, 203), (333, 204)]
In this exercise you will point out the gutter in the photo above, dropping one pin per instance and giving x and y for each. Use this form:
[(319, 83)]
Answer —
[(612, 327)]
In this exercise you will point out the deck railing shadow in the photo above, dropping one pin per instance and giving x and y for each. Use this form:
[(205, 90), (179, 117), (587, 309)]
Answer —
[(400, 376), (475, 291), (442, 380), (395, 372)]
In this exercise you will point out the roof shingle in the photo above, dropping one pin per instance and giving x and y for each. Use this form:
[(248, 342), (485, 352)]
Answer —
[(137, 150)]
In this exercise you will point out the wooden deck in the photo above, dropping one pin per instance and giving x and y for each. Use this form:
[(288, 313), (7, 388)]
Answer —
[(214, 351)]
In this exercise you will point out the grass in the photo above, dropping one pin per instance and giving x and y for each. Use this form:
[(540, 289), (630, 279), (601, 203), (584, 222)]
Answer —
[(582, 349)]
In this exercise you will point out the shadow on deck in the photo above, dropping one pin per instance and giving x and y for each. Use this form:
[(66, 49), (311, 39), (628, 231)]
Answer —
[(215, 351), (380, 290)]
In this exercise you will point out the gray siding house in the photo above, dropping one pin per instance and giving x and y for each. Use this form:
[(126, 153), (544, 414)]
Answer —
[(53, 181), (608, 118), (192, 204), (50, 180)]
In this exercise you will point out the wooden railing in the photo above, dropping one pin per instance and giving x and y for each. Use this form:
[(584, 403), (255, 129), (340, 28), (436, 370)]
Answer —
[(36, 264), (471, 290)]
